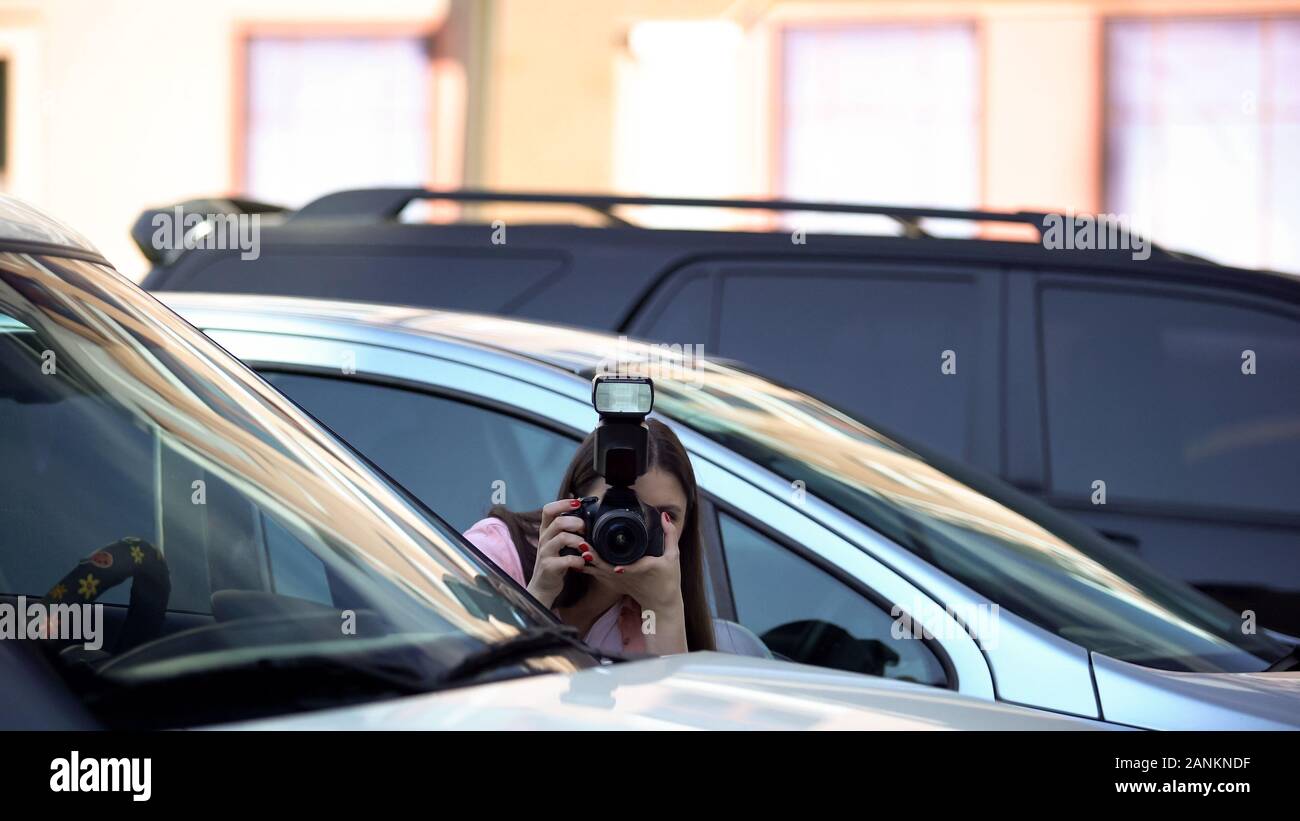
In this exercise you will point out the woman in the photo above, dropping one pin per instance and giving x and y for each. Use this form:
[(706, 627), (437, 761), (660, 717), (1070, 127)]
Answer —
[(615, 608)]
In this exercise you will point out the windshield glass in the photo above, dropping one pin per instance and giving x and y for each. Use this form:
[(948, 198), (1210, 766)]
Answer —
[(147, 471), (1045, 569)]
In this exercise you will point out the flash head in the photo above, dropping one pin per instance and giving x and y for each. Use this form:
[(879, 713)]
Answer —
[(621, 433), (622, 395)]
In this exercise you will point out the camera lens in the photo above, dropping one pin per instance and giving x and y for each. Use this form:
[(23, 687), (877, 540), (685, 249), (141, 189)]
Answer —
[(620, 537)]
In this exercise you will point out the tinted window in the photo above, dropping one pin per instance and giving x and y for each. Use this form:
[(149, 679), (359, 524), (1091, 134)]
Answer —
[(73, 453), (294, 570), (683, 319), (807, 615), (871, 346), (452, 455), (1148, 394)]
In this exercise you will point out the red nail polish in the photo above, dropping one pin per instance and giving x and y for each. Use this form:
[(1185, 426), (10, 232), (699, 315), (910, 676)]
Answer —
[(575, 502), (618, 570), (587, 557), (585, 547)]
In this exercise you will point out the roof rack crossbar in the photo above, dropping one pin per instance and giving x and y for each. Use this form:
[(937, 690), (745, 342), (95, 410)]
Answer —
[(381, 204)]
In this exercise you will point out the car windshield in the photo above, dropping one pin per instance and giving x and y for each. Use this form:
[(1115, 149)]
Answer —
[(1008, 548), (147, 471)]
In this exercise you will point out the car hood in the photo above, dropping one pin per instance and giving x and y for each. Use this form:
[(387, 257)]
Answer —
[(1165, 700), (712, 691)]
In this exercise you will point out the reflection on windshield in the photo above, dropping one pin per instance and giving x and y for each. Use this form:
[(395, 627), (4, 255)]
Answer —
[(1086, 591), (127, 436)]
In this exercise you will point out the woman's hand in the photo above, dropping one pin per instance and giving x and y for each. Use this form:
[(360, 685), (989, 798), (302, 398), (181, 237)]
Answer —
[(655, 582), (558, 531)]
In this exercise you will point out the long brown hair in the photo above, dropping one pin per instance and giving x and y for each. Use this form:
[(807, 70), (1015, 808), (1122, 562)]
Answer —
[(664, 452)]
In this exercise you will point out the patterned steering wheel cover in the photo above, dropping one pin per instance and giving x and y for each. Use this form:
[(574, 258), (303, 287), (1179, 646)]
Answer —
[(106, 568)]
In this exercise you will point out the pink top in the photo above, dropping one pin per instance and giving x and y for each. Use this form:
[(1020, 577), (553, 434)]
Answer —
[(618, 630)]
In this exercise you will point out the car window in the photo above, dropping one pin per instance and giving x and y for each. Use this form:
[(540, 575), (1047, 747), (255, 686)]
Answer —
[(294, 571), (94, 459), (1193, 428), (685, 317), (455, 456), (873, 346), (82, 472), (807, 615), (427, 438), (147, 471)]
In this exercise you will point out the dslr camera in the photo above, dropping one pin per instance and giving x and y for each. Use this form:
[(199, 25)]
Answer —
[(619, 527)]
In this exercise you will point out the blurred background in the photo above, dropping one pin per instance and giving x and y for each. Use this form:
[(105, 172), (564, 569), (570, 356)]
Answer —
[(1183, 115)]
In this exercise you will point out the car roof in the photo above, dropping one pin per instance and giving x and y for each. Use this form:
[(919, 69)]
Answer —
[(568, 349), (24, 227)]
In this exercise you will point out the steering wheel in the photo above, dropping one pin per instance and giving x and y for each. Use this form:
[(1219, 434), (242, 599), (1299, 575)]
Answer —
[(106, 568)]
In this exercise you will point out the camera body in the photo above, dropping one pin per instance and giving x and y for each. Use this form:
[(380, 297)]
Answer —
[(619, 527)]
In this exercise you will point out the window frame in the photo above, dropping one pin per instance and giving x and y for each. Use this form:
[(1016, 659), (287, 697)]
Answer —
[(1117, 287), (853, 584)]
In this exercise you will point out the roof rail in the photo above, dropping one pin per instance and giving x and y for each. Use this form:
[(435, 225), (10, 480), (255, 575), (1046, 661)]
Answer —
[(382, 204)]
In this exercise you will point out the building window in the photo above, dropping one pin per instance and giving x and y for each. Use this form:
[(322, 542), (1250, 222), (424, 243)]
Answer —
[(884, 113), (1203, 135), (332, 112)]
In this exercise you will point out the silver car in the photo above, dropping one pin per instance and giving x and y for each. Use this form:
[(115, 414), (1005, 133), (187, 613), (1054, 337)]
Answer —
[(838, 546)]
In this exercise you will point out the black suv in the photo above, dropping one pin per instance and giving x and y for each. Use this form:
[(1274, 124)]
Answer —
[(1157, 399)]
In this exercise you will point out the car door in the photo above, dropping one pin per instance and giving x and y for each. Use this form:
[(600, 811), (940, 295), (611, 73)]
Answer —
[(910, 348), (1170, 422), (461, 441)]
